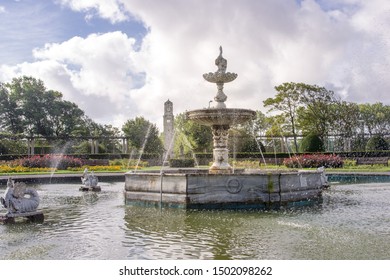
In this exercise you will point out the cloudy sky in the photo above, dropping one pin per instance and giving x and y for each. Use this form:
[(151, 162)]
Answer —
[(118, 59)]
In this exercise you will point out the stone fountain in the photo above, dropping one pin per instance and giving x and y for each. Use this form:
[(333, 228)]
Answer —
[(220, 187), (220, 118)]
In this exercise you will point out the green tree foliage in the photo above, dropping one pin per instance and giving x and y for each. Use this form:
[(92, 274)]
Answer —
[(142, 134), (377, 143), (312, 143), (27, 106), (316, 115), (243, 138), (375, 118), (10, 113), (110, 144), (302, 107), (191, 137), (276, 126), (251, 145), (346, 120), (287, 101)]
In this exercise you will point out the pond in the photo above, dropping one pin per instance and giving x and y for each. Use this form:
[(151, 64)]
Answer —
[(352, 222)]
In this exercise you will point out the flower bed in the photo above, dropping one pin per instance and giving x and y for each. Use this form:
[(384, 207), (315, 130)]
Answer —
[(21, 169), (314, 161), (107, 168), (59, 162)]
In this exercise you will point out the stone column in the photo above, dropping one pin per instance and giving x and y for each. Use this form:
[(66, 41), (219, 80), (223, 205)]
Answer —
[(30, 146), (94, 146), (220, 151), (347, 144), (124, 146)]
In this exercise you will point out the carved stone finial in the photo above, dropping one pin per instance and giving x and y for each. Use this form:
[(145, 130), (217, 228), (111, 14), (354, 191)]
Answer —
[(221, 62)]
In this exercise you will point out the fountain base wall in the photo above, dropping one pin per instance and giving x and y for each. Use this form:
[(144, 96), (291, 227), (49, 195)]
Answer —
[(196, 189)]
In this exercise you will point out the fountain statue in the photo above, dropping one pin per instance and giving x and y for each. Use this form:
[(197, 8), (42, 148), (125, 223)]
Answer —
[(90, 182), (20, 201), (220, 118), (221, 187)]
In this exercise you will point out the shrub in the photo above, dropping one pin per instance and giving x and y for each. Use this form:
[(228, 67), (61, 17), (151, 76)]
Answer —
[(251, 145), (313, 161), (49, 161), (311, 143), (129, 163), (9, 146), (187, 162), (377, 143)]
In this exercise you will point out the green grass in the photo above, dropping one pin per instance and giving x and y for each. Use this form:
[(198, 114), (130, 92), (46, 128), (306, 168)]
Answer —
[(362, 168), (356, 168)]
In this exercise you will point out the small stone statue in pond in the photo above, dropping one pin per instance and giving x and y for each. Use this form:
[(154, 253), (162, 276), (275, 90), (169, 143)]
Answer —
[(15, 199), (90, 181)]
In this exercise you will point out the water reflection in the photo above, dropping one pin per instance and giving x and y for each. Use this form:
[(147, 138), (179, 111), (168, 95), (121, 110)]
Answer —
[(353, 222)]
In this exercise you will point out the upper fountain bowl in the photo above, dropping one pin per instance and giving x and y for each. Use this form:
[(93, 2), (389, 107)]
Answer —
[(219, 77), (221, 116)]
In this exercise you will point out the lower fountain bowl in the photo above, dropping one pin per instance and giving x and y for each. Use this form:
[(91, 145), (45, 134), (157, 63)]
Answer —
[(197, 189)]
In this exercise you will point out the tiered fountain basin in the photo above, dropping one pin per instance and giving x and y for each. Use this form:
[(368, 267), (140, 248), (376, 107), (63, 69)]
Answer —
[(220, 120), (221, 116), (243, 189)]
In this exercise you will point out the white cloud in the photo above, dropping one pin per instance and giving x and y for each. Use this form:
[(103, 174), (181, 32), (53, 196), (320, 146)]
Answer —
[(96, 72), (2, 9), (343, 45), (265, 42), (111, 10)]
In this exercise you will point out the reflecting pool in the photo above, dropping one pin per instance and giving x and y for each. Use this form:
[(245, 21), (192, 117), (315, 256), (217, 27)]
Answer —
[(352, 222)]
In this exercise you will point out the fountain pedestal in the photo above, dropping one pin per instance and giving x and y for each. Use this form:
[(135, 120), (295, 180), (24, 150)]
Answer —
[(220, 151)]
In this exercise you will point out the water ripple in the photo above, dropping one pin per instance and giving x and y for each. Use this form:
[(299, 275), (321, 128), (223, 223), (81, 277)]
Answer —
[(352, 222)]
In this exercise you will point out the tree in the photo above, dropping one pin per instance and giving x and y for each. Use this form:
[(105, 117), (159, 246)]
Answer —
[(346, 118), (245, 136), (191, 137), (287, 101), (143, 135), (27, 106), (256, 127), (65, 117), (10, 113), (375, 117), (377, 143), (276, 129), (105, 135), (345, 123), (316, 115)]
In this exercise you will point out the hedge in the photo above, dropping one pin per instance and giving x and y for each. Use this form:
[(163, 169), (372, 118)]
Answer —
[(187, 162)]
